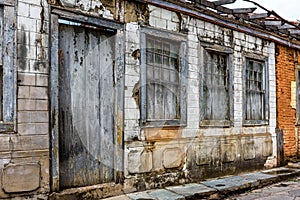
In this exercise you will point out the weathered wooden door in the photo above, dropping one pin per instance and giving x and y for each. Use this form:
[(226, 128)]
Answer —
[(86, 106)]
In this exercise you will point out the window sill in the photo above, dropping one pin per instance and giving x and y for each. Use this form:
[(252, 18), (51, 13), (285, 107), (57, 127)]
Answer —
[(6, 127), (162, 123), (216, 124), (249, 123)]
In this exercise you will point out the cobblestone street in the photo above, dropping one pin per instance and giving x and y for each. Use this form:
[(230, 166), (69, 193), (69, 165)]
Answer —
[(286, 190)]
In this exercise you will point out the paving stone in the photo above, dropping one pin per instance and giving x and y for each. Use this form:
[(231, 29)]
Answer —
[(281, 171), (259, 176), (193, 189), (295, 193), (230, 183), (160, 194), (123, 197), (275, 197)]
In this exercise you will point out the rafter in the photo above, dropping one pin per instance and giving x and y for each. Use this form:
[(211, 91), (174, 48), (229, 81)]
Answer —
[(259, 16), (294, 31), (223, 2), (243, 10), (272, 23), (286, 26), (209, 4)]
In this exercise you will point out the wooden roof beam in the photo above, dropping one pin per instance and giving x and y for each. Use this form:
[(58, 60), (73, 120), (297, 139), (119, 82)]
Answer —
[(286, 26), (213, 6), (243, 10), (259, 16), (273, 23), (294, 31), (223, 2)]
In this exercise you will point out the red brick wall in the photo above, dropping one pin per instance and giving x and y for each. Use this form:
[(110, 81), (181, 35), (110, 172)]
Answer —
[(286, 115)]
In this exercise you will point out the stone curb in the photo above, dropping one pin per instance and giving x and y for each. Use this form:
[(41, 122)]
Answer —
[(209, 189), (215, 188)]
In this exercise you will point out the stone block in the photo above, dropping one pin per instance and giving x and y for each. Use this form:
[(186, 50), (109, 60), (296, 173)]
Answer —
[(203, 157), (23, 9), (267, 148), (31, 2), (30, 142), (32, 105), (41, 80), (166, 14), (35, 11), (21, 177), (33, 117), (160, 194), (27, 24), (139, 161), (123, 197), (231, 183), (161, 23), (249, 150), (172, 26), (33, 129), (228, 152), (192, 190), (23, 92), (133, 26), (26, 79), (39, 66), (173, 158), (155, 11), (38, 93)]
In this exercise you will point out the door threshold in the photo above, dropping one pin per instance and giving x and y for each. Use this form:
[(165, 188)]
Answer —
[(94, 191)]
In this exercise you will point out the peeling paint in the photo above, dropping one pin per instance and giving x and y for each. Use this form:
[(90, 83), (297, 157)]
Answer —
[(136, 94)]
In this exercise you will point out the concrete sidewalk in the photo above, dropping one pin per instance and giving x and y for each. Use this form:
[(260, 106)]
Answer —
[(217, 188)]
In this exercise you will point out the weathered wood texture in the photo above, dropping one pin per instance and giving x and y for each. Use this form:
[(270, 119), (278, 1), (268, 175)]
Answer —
[(163, 78), (1, 62), (256, 96), (216, 95), (280, 146), (255, 90), (119, 97), (223, 2), (9, 75), (54, 104), (216, 87), (86, 107)]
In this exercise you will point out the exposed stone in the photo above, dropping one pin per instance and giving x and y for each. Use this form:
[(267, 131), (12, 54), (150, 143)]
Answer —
[(190, 190), (228, 152), (139, 161), (21, 177), (156, 194), (173, 157), (249, 150)]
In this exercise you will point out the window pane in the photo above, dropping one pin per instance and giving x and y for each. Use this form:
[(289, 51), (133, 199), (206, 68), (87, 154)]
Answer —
[(163, 81), (255, 90), (215, 87)]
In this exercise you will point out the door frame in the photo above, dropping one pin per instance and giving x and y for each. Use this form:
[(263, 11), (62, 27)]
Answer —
[(60, 14)]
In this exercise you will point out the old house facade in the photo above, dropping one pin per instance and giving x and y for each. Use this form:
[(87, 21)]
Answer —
[(287, 60), (129, 95)]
